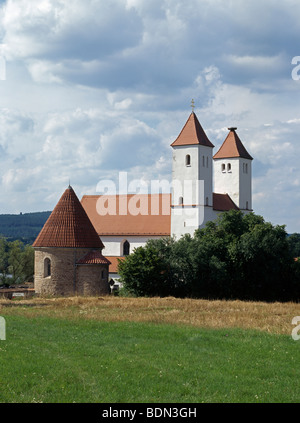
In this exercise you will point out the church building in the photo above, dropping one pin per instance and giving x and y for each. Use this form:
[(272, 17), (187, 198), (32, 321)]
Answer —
[(203, 185), (68, 253)]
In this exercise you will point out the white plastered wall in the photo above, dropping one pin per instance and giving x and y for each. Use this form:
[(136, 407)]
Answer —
[(232, 176), (113, 245), (193, 184)]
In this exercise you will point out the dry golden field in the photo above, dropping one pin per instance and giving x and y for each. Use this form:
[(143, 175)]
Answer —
[(270, 317)]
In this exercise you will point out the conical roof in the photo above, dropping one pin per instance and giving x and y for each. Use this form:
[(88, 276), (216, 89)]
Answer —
[(232, 147), (68, 226), (192, 134)]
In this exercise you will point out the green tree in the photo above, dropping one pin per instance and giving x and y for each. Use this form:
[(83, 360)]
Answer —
[(142, 272), (20, 262), (263, 264), (235, 257), (4, 254), (294, 244)]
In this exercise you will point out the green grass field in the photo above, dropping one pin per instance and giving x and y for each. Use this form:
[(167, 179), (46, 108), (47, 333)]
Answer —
[(57, 360)]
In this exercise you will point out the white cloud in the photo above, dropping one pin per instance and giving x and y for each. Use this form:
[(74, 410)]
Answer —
[(95, 87)]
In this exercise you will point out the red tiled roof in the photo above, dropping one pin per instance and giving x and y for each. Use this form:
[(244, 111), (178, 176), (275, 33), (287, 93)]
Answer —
[(192, 134), (141, 225), (222, 202), (94, 257), (68, 226), (117, 224), (114, 262), (232, 147)]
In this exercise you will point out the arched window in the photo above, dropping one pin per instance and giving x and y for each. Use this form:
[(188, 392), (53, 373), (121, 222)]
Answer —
[(229, 167), (47, 267), (223, 167), (126, 248), (206, 201), (203, 161), (247, 205), (180, 201), (188, 160), (207, 161)]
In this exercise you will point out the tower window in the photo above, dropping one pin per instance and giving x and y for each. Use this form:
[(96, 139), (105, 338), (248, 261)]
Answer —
[(126, 248), (180, 200), (229, 167), (223, 167), (47, 267), (203, 161), (247, 205), (188, 160), (207, 161), (206, 201)]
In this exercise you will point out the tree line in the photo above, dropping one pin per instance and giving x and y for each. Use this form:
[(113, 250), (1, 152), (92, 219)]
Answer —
[(235, 257), (16, 262), (24, 227)]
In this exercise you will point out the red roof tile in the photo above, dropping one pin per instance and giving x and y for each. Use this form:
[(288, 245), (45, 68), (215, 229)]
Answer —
[(94, 257), (192, 134), (141, 225), (68, 226), (232, 147), (222, 202), (114, 262), (118, 224)]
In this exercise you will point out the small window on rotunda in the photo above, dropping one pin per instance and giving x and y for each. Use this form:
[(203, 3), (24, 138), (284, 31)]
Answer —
[(223, 167), (47, 267), (180, 201), (229, 167)]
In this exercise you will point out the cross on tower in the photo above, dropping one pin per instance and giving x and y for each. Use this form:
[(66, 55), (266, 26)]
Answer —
[(192, 104)]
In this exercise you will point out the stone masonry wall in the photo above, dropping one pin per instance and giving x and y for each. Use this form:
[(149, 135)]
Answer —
[(92, 280), (62, 280)]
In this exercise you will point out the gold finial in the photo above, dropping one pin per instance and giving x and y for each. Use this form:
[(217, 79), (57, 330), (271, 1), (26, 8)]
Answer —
[(192, 104)]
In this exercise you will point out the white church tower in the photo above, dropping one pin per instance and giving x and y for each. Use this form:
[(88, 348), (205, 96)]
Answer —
[(232, 171), (192, 173)]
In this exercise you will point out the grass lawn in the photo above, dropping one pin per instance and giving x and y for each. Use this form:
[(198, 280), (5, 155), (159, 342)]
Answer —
[(70, 356)]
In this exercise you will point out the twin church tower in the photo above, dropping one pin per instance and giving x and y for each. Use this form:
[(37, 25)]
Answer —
[(205, 184)]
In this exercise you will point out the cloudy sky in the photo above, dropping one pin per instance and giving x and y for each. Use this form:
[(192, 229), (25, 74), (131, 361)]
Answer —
[(95, 87)]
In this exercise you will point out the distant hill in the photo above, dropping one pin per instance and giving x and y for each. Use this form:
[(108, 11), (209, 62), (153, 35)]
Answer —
[(24, 227)]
